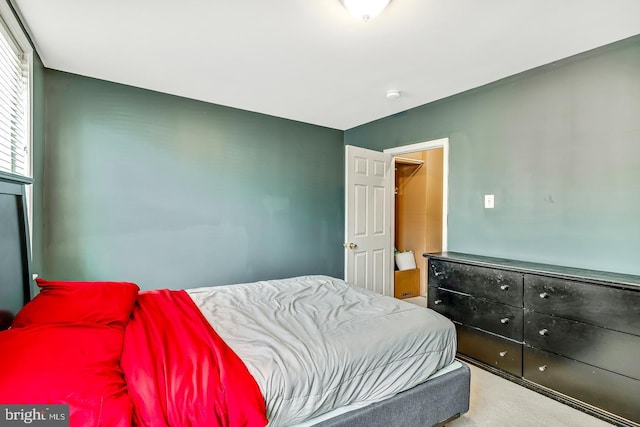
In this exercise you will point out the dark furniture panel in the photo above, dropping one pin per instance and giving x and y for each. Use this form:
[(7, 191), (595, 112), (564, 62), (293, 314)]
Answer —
[(491, 349), (604, 348), (603, 389), (488, 283), (605, 306), (498, 318), (15, 274)]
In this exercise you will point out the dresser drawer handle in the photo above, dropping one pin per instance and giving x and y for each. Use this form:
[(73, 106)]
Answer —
[(438, 301), (544, 332), (504, 287), (504, 320), (438, 273), (544, 295), (542, 368), (502, 353)]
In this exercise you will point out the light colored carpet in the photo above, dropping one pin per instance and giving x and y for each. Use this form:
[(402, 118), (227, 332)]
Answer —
[(496, 402)]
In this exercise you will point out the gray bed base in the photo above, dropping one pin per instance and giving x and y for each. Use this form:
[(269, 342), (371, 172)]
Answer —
[(431, 403)]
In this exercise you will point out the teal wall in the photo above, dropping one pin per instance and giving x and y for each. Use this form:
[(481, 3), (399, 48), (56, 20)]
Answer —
[(37, 165), (559, 146), (170, 192)]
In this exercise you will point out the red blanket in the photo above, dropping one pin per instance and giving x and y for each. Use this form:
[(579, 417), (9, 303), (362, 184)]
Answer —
[(178, 370)]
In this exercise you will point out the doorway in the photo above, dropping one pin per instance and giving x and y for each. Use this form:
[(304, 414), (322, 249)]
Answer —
[(419, 211)]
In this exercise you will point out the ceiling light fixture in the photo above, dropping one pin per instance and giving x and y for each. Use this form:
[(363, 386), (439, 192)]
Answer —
[(393, 94), (365, 9)]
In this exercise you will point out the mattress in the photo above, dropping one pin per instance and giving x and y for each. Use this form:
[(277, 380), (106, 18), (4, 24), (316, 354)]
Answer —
[(315, 343)]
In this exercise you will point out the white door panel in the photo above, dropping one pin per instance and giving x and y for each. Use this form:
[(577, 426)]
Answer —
[(368, 239)]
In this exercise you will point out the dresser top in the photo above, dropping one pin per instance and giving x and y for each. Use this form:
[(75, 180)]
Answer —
[(627, 280)]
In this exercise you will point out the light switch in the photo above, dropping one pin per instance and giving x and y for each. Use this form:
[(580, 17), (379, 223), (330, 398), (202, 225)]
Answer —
[(488, 201)]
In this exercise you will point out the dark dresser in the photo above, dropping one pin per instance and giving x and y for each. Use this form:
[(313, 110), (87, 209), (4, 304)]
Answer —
[(571, 334)]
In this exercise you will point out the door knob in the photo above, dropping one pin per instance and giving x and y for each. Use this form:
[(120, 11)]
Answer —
[(350, 245), (544, 332), (544, 295), (504, 287), (503, 353), (504, 320)]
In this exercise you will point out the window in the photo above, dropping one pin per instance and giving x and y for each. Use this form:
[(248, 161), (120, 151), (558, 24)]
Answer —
[(15, 95)]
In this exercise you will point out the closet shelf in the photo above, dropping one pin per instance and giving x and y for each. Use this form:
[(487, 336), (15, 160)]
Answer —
[(403, 161)]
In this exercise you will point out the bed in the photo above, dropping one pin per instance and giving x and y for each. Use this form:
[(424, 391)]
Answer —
[(310, 350)]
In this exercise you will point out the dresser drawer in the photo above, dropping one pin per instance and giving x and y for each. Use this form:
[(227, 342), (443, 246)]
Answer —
[(488, 283), (603, 389), (611, 308), (604, 348), (491, 349), (498, 318)]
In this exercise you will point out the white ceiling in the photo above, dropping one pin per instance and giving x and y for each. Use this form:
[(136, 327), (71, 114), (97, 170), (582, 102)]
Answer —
[(310, 60)]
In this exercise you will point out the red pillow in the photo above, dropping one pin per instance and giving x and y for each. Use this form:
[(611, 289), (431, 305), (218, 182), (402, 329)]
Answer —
[(65, 347), (103, 303)]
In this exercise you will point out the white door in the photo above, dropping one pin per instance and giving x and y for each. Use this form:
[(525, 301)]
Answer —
[(368, 260)]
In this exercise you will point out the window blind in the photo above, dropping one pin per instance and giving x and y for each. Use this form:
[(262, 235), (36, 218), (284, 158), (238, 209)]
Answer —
[(14, 104)]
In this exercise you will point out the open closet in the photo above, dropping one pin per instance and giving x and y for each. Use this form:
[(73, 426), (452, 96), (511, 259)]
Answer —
[(418, 216)]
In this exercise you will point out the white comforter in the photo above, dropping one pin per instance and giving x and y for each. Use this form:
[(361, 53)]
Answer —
[(314, 343)]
